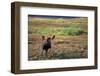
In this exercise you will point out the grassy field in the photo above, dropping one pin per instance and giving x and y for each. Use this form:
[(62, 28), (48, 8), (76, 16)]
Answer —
[(70, 37)]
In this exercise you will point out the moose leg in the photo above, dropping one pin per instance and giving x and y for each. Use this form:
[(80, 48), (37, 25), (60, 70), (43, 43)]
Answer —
[(42, 52), (46, 54)]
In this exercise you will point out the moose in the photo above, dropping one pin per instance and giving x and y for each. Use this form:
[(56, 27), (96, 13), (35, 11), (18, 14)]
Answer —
[(47, 44)]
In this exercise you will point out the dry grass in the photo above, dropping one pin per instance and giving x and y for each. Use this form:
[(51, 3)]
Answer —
[(69, 43), (63, 48)]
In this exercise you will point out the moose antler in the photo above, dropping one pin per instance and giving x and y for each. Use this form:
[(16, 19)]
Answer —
[(43, 37), (53, 37)]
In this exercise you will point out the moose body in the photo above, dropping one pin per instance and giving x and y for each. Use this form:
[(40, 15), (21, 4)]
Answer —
[(47, 44)]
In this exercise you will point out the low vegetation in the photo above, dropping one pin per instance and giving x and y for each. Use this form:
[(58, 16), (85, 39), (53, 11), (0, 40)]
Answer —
[(70, 41)]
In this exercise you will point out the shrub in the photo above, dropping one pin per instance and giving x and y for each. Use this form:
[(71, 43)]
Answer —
[(71, 30)]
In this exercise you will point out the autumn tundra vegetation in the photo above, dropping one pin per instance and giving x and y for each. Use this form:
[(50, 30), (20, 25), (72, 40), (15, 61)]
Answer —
[(57, 38)]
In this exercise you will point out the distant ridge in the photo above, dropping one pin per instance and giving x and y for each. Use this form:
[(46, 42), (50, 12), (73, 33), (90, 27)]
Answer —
[(51, 16)]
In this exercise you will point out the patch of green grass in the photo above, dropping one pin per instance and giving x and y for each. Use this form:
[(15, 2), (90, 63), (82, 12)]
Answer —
[(71, 30), (74, 31)]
